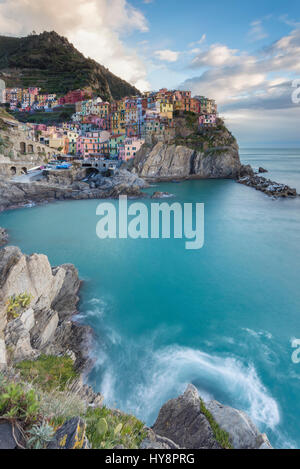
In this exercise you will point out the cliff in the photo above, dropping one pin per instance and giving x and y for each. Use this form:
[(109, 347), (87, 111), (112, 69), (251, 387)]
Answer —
[(190, 153), (36, 306), (50, 62), (42, 355)]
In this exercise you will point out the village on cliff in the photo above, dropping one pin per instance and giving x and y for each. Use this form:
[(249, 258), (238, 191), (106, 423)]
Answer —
[(110, 130)]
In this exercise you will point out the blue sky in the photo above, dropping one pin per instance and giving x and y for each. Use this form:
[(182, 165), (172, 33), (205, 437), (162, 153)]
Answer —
[(244, 54), (173, 27)]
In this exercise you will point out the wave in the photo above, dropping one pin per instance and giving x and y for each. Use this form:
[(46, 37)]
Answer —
[(140, 381)]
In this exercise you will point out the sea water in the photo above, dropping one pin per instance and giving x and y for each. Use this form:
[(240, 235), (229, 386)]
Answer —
[(222, 317)]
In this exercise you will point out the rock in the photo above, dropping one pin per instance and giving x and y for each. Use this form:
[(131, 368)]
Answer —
[(181, 421), (3, 356), (246, 170), (215, 155), (154, 441), (10, 437), (267, 186), (70, 436), (70, 335), (86, 393), (66, 299), (27, 318), (17, 340), (69, 186), (161, 195), (30, 274), (243, 433), (45, 326), (3, 236), (46, 323), (262, 170), (263, 442)]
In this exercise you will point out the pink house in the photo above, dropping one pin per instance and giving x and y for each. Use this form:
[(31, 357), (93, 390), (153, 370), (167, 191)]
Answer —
[(129, 148)]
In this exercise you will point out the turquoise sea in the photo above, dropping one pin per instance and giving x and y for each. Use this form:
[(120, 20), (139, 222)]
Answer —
[(222, 318)]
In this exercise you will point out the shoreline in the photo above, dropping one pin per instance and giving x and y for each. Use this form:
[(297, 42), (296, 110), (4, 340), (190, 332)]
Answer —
[(61, 194)]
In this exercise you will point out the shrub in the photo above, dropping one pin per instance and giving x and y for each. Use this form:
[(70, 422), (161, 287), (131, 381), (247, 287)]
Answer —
[(107, 428), (40, 436), (17, 403), (16, 304), (49, 372)]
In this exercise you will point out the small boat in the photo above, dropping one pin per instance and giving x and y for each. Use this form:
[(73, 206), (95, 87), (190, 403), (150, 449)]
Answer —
[(63, 166)]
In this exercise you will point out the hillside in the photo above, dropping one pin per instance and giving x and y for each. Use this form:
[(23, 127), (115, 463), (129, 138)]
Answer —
[(49, 61)]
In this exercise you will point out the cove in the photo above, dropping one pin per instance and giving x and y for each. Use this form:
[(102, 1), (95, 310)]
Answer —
[(222, 317)]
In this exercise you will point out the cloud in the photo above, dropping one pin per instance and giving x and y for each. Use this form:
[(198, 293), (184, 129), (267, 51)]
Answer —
[(246, 85), (216, 55), (167, 55), (95, 27), (257, 31), (197, 43), (240, 80)]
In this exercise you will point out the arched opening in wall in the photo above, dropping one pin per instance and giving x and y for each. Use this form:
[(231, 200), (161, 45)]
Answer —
[(23, 147), (13, 170), (24, 170), (90, 172), (39, 149), (30, 148)]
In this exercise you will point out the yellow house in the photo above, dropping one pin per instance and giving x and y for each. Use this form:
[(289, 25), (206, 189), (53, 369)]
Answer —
[(166, 109)]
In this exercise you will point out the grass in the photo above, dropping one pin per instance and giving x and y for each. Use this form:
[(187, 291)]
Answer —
[(48, 372), (107, 428), (221, 436)]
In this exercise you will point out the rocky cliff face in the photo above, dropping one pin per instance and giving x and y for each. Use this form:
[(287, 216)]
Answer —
[(43, 324), (190, 423), (191, 153), (163, 162)]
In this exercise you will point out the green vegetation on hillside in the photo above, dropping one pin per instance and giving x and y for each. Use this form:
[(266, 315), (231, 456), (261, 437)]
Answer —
[(48, 371), (107, 428), (50, 62), (44, 397), (188, 134)]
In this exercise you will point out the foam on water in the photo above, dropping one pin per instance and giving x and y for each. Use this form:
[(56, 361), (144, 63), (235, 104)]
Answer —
[(160, 374)]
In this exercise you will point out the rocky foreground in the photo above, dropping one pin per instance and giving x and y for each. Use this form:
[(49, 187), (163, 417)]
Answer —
[(37, 307), (69, 185)]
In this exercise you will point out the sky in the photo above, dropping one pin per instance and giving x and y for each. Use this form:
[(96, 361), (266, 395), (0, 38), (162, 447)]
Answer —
[(246, 55)]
